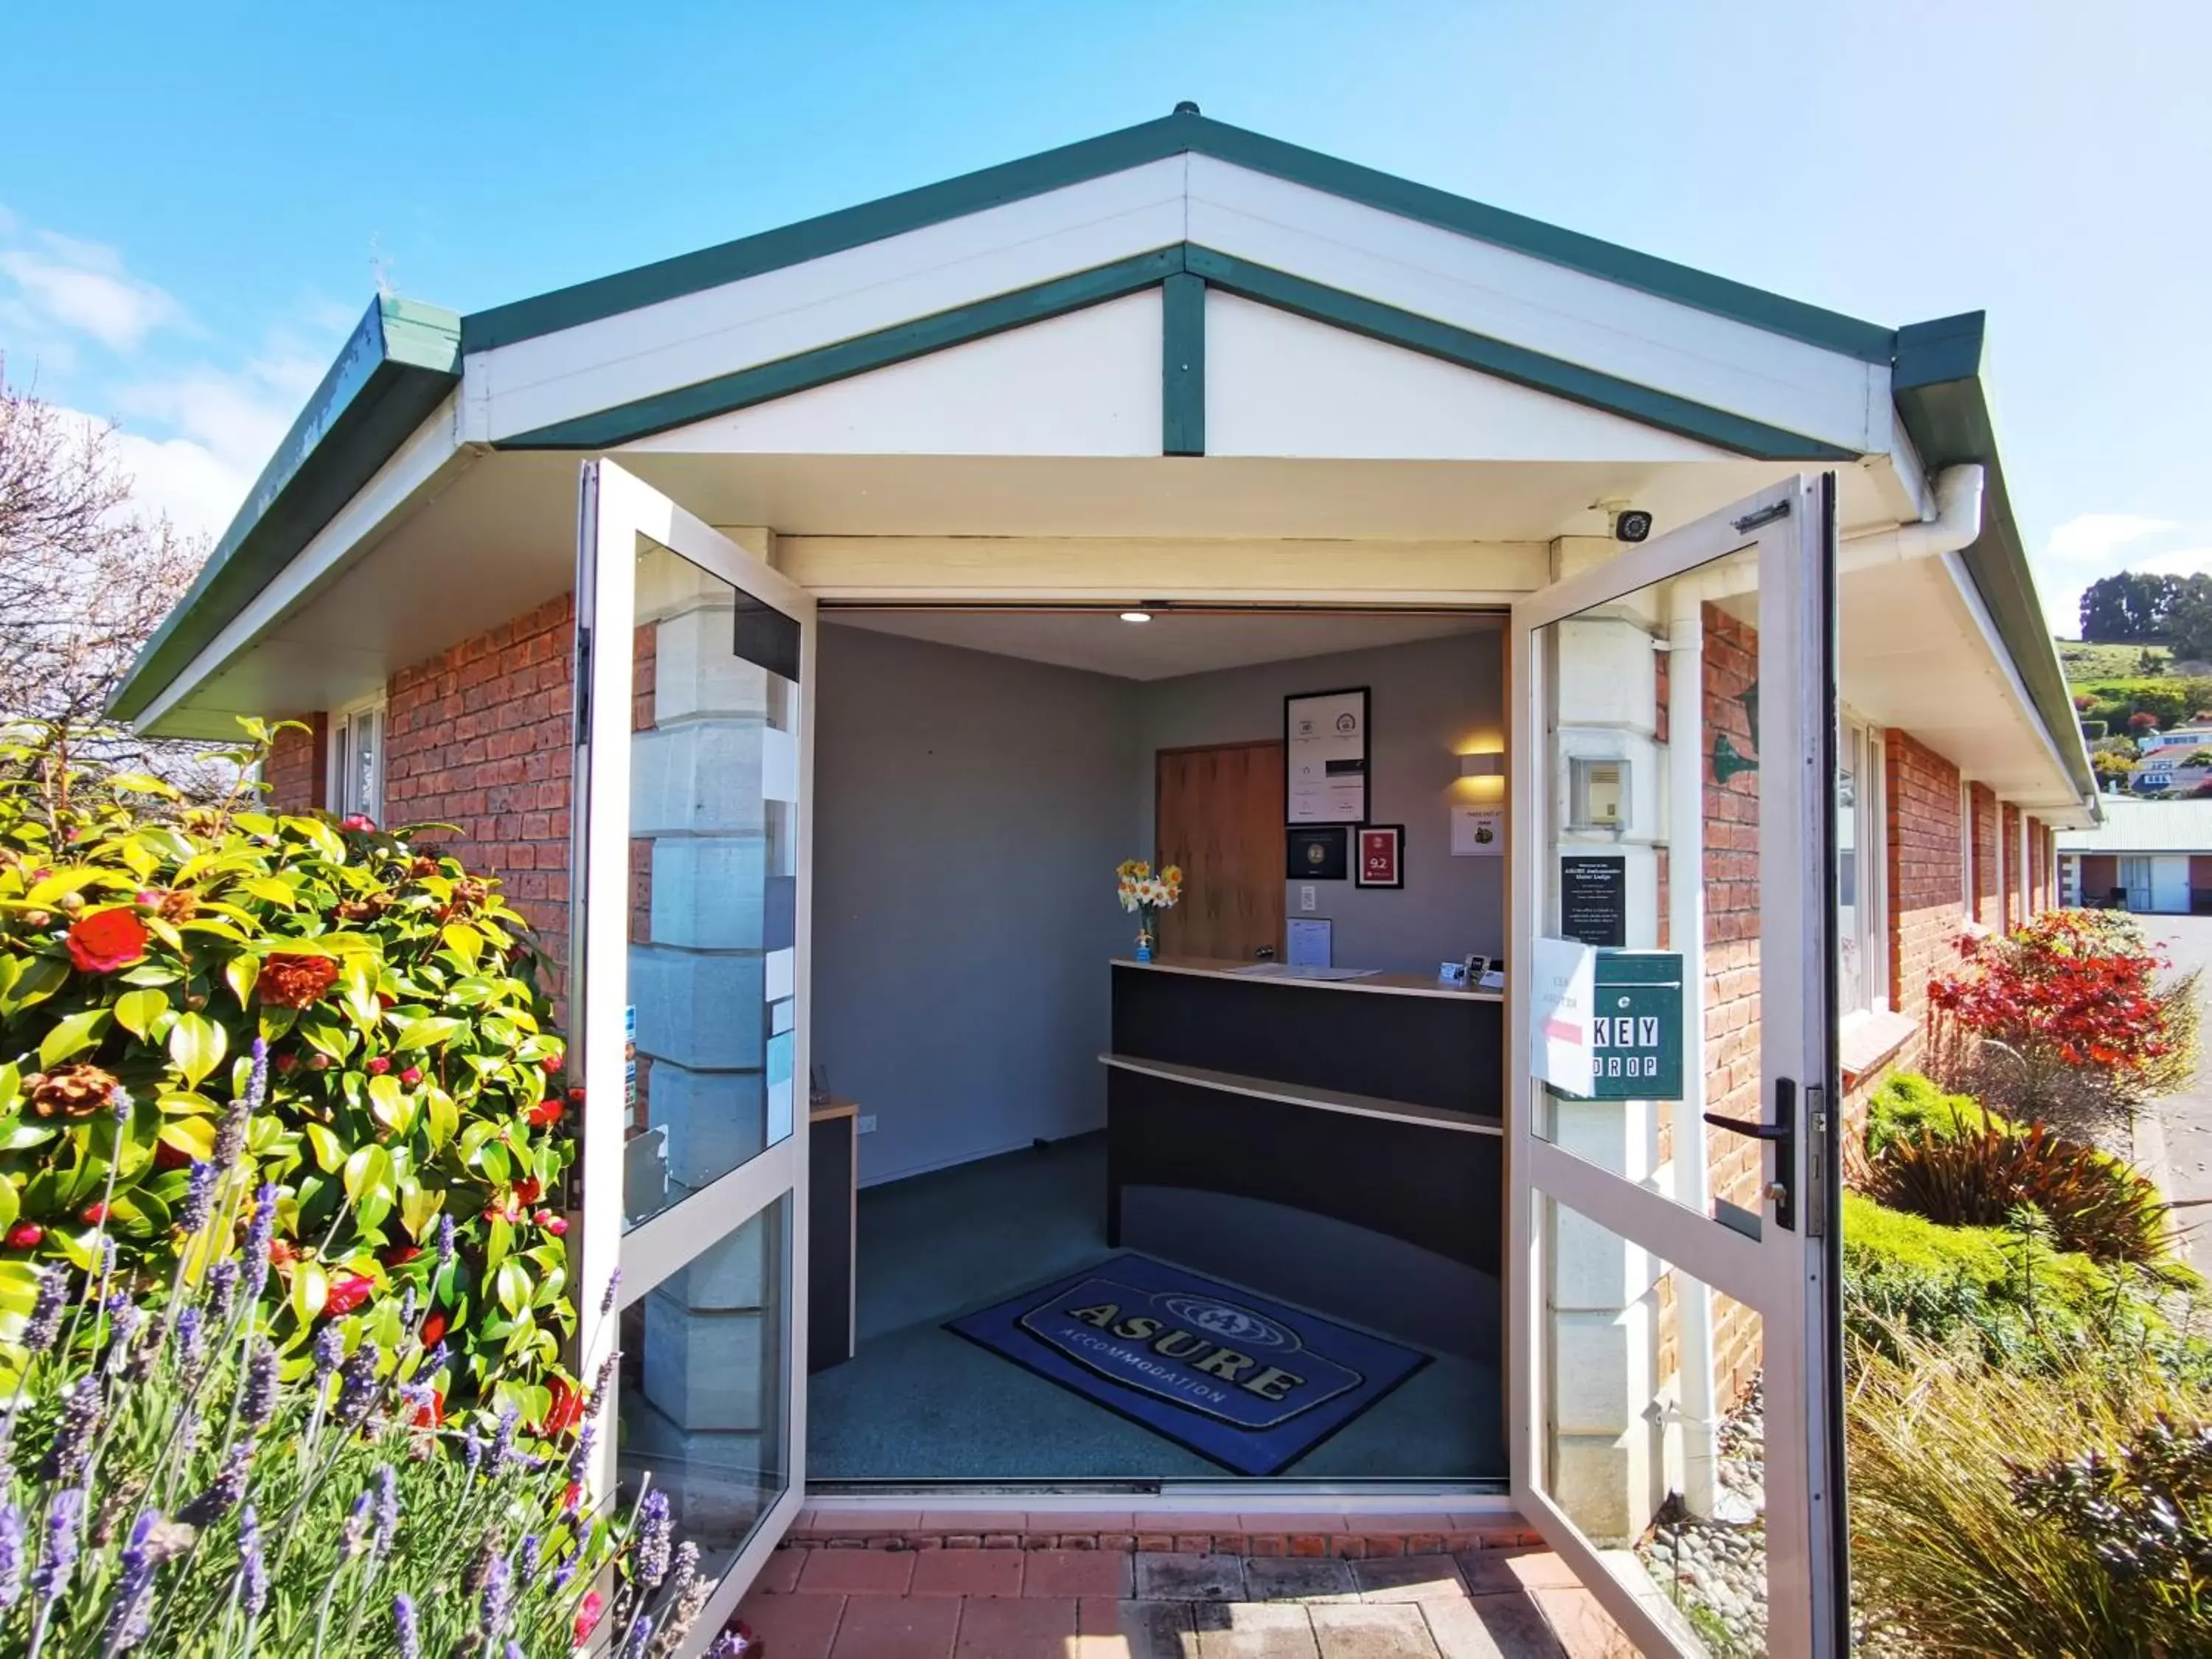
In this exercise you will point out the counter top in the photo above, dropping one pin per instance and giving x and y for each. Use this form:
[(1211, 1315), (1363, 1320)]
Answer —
[(1403, 985)]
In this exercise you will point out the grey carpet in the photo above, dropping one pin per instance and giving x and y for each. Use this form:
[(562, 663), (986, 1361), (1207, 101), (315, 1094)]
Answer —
[(918, 1403)]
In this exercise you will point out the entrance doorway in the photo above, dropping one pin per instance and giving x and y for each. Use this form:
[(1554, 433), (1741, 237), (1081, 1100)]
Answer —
[(1219, 814)]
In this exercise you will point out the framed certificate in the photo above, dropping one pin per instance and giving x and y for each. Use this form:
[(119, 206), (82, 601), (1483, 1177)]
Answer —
[(1325, 757), (1380, 860)]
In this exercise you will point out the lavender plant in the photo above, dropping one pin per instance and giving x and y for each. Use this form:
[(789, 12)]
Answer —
[(175, 1483)]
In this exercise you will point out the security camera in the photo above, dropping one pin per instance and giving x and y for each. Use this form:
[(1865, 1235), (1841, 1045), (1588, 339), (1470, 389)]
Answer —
[(1633, 525)]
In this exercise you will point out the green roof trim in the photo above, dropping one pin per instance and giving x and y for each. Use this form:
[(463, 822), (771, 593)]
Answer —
[(399, 361), (1182, 420), (961, 325), (1941, 398), (1181, 133)]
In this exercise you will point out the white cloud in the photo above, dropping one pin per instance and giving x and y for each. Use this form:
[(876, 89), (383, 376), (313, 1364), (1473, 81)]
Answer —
[(2093, 537), (2085, 547), (79, 287)]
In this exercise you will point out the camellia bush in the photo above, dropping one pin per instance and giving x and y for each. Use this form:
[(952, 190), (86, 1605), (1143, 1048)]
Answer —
[(345, 1015)]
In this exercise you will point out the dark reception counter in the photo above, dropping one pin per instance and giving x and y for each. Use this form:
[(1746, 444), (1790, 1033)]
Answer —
[(1336, 1143)]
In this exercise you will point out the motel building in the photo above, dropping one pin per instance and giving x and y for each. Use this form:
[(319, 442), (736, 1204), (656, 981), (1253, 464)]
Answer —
[(804, 629)]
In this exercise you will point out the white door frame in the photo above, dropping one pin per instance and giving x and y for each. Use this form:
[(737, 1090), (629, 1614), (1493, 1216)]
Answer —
[(1787, 1276), (618, 517)]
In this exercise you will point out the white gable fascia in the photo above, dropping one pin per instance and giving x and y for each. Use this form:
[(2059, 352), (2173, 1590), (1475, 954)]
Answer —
[(1283, 386), (1084, 384), (1545, 307), (517, 388)]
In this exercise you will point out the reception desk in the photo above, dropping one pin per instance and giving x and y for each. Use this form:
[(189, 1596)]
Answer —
[(1335, 1143)]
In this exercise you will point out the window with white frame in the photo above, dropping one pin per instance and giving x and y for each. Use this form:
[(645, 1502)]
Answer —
[(357, 776), (1861, 912)]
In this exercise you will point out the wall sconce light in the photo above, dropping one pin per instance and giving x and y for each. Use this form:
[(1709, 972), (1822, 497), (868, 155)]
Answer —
[(1482, 766)]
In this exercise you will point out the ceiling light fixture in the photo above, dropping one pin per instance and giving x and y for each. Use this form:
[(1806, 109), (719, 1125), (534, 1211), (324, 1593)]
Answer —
[(1136, 616)]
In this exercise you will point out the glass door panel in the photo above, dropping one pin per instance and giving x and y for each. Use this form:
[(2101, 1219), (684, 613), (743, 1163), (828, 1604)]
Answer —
[(688, 997), (1675, 1396)]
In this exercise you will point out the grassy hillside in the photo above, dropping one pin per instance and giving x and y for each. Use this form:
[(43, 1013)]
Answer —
[(2087, 663)]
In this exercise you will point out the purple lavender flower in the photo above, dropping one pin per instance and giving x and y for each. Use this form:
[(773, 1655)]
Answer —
[(71, 1447), (261, 1232), (329, 1349), (526, 1560), (252, 1571), (502, 1442), (222, 1493), (407, 1309), (604, 1378), (131, 1612), (614, 1284), (64, 1516), (191, 1336), (514, 1650), (435, 1361), (222, 1291), (640, 1642), (353, 1537), (564, 1572), (579, 1455), (728, 1645), (387, 1509), (654, 1534), (45, 1320), (258, 1403), (119, 1102), (199, 1198), (123, 1320), (444, 1243), (357, 1383), (498, 1597), (404, 1629), (11, 1555), (472, 1450)]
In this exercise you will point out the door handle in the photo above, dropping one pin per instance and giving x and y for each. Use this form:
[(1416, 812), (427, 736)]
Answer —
[(1781, 1135)]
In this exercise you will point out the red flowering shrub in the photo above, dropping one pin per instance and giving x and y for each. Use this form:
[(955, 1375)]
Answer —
[(2072, 991), (199, 1002)]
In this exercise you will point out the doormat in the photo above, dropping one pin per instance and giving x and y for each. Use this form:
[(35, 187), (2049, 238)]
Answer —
[(1248, 1383)]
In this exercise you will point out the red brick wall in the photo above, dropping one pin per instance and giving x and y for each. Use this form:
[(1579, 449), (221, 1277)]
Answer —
[(479, 737), (1731, 990), (2015, 883), (297, 770), (1926, 903), (1986, 905)]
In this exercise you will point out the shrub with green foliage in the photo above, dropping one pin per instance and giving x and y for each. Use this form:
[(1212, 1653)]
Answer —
[(409, 1098), (1906, 1106)]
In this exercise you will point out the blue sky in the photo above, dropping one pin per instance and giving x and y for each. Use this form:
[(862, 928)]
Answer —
[(196, 204)]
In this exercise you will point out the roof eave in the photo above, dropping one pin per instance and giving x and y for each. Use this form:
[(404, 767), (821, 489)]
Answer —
[(398, 363), (1936, 382)]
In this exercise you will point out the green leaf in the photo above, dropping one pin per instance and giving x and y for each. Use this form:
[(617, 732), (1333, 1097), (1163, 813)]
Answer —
[(444, 1117), (419, 1206), (137, 1010), (310, 1289), (464, 941), (369, 1170), (330, 1151), (40, 978), (240, 973), (11, 1204), (386, 1103), (77, 1032), (500, 1242), (430, 1032), (19, 1286), (272, 890), (197, 1044), (192, 1135), (512, 1285)]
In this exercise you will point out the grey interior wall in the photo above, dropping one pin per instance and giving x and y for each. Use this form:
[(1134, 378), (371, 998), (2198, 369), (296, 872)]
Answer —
[(1427, 701), (969, 810)]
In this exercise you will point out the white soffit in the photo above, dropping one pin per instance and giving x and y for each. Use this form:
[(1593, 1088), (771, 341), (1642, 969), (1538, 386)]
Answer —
[(517, 388), (1546, 307), (1084, 384), (1282, 385)]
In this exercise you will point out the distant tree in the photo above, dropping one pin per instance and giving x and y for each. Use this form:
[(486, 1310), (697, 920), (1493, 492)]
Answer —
[(2142, 722), (2127, 608), (2189, 619)]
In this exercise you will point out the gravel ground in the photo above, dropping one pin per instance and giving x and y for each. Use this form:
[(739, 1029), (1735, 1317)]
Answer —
[(1716, 1567)]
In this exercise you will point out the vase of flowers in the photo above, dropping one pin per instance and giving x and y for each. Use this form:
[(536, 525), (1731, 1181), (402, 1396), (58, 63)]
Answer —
[(1144, 896)]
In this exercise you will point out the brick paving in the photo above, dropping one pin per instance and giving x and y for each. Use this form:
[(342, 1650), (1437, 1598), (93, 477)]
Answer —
[(1513, 1602)]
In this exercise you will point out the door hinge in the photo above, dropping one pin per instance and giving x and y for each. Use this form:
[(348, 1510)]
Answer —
[(583, 684), (1751, 521), (1816, 1161)]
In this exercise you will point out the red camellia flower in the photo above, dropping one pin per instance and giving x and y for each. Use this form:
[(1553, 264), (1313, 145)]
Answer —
[(357, 821), (411, 1076), (587, 1616), (347, 1292), (576, 1095), (567, 1406), (400, 1255), (529, 1192), (550, 1063), (280, 1252), (105, 940), (95, 1213), (433, 1328), (545, 1114), (26, 1235), (555, 1224), (292, 980), (167, 1157), (285, 1063), (378, 1064), (430, 1416)]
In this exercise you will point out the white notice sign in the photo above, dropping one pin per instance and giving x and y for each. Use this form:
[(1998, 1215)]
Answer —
[(1478, 832), (1560, 1001), (1325, 747)]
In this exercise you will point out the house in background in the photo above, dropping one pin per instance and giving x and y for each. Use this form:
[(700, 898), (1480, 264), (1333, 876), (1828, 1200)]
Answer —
[(2152, 857)]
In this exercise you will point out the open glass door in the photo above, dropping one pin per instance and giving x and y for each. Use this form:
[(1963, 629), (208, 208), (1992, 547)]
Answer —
[(688, 996), (1673, 1189)]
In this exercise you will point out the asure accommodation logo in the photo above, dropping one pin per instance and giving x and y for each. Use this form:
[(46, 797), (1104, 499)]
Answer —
[(1203, 1353)]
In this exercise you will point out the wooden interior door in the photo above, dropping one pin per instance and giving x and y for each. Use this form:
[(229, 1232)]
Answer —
[(1218, 813)]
